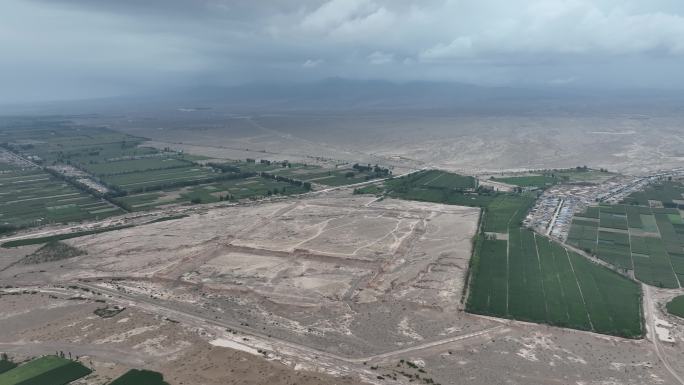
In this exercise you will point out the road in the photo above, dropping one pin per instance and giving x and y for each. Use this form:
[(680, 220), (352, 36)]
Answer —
[(555, 217), (178, 314), (650, 319)]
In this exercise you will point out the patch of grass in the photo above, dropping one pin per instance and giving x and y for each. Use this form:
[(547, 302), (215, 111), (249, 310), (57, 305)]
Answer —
[(539, 181), (506, 210), (108, 312), (417, 186), (6, 365), (59, 237), (447, 180), (52, 251), (676, 306), (140, 377), (47, 370), (372, 189)]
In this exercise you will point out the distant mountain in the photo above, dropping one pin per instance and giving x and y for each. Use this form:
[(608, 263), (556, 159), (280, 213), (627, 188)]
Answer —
[(346, 94)]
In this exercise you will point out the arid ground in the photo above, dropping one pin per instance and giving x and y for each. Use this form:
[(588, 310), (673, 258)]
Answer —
[(299, 290)]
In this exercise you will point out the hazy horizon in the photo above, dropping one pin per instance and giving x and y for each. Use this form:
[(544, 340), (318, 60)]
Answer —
[(76, 49)]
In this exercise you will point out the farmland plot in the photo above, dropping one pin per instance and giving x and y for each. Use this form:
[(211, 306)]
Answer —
[(33, 196), (645, 236)]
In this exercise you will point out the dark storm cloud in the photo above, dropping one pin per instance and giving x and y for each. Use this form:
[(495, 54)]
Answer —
[(68, 48)]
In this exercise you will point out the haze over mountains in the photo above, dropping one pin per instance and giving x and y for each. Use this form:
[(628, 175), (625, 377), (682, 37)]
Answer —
[(336, 93)]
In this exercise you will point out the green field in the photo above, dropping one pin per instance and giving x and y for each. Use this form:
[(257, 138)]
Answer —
[(6, 365), (47, 370), (531, 278), (58, 141), (506, 210), (539, 181), (140, 377), (152, 180), (421, 186), (30, 197), (551, 177), (138, 177), (647, 240), (676, 306), (339, 176), (666, 193), (443, 187), (231, 190), (136, 165), (445, 180)]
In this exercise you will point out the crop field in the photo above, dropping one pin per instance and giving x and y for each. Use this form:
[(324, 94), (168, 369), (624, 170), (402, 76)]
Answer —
[(584, 233), (668, 193), (414, 187), (47, 370), (33, 196), (676, 306), (309, 173), (613, 247), (136, 165), (534, 279), (333, 177), (159, 179), (234, 189), (505, 211), (62, 142), (540, 181), (551, 177), (502, 209), (648, 238), (140, 178), (7, 167), (440, 179)]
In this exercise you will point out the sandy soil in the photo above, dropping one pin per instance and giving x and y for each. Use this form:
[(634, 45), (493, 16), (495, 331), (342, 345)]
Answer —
[(43, 323), (473, 143), (301, 290)]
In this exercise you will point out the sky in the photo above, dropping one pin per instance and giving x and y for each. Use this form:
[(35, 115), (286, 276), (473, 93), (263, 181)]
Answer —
[(72, 49)]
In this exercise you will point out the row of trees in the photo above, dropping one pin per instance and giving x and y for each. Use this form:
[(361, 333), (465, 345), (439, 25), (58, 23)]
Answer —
[(295, 182), (377, 170)]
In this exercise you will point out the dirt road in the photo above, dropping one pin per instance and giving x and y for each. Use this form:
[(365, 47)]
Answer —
[(650, 319), (301, 350)]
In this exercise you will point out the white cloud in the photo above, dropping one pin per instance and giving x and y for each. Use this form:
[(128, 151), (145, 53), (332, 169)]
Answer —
[(309, 63), (562, 81), (379, 57), (461, 47), (336, 12), (128, 43)]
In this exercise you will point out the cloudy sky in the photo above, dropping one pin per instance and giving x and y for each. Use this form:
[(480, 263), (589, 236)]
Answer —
[(63, 49)]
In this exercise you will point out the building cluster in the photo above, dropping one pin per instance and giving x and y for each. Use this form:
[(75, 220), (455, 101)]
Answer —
[(12, 159), (555, 208), (553, 212)]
